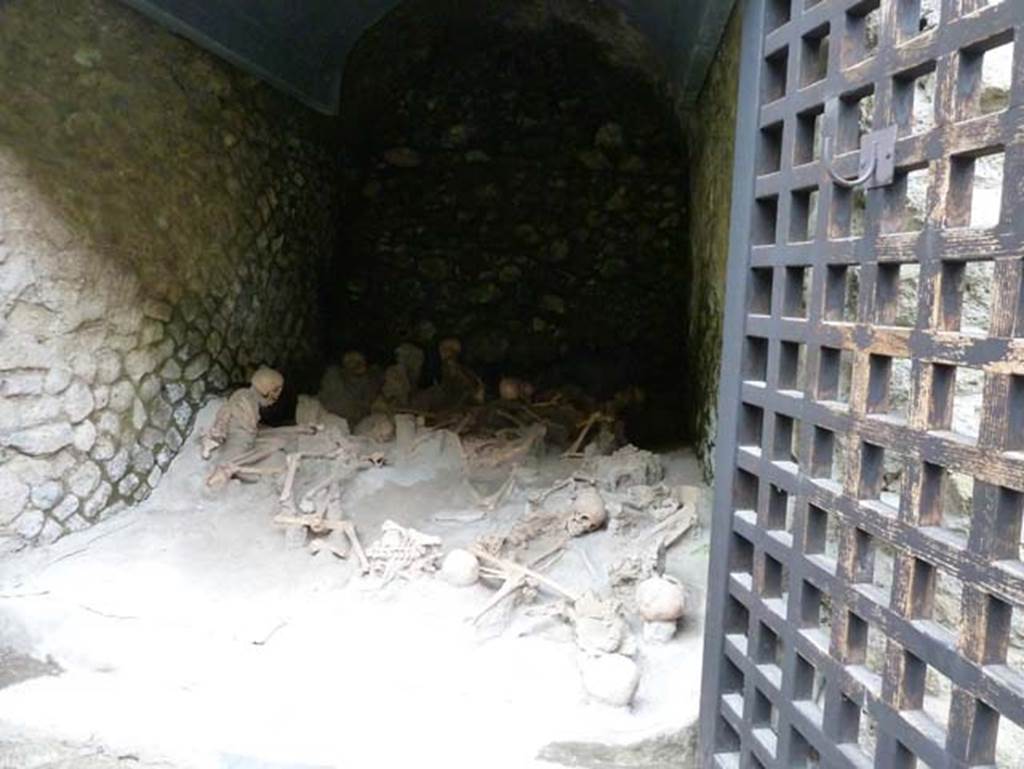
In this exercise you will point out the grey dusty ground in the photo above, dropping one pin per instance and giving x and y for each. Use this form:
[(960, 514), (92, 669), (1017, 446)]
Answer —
[(184, 633)]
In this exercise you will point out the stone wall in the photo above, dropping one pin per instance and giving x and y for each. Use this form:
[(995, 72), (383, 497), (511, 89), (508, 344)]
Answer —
[(525, 192), (163, 224), (710, 134)]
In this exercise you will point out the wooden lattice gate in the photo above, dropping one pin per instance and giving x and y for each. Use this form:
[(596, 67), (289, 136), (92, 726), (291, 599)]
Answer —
[(837, 547)]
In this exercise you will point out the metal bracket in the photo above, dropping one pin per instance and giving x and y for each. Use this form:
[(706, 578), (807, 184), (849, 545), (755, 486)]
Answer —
[(877, 166)]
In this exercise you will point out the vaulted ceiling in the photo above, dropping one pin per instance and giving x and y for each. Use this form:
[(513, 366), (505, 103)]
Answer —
[(301, 46)]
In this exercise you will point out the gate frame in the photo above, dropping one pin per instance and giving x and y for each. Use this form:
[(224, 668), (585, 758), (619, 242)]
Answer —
[(984, 690), (729, 381)]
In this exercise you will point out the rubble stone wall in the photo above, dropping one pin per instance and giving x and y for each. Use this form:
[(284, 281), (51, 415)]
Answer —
[(524, 190), (710, 137), (163, 224)]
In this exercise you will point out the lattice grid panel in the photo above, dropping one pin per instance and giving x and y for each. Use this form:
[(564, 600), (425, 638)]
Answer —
[(865, 621)]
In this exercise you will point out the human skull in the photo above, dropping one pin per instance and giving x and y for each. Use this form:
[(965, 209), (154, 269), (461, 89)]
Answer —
[(588, 513), (510, 389), (660, 599), (268, 384), (354, 363), (460, 568), (449, 349)]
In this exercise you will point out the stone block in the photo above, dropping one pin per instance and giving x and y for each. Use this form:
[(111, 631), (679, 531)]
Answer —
[(141, 492), (101, 396), (85, 437), (29, 524), (151, 333), (171, 370), (17, 413), (84, 479), (76, 523), (183, 415), (118, 465), (175, 391), (174, 439), (139, 415), (78, 401), (197, 367), (57, 380), (142, 460), (105, 448), (14, 495), (157, 310), (51, 532), (149, 388), (84, 367), (98, 501), (138, 363), (42, 440), (122, 395), (46, 495), (151, 437), (109, 423), (67, 507), (108, 367), (25, 382), (127, 485)]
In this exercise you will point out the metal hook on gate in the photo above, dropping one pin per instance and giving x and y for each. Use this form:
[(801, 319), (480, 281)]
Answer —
[(868, 163), (877, 165)]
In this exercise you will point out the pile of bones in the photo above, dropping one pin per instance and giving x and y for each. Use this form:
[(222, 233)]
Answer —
[(607, 485)]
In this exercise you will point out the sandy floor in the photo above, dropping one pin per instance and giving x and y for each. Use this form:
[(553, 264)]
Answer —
[(189, 634)]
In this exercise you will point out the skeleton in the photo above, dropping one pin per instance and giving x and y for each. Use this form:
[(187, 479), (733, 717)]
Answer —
[(640, 506), (487, 454), (309, 411), (512, 389), (394, 392), (540, 527), (349, 391), (648, 558), (320, 505), (402, 551), (233, 434), (401, 380), (517, 578), (341, 537), (459, 384)]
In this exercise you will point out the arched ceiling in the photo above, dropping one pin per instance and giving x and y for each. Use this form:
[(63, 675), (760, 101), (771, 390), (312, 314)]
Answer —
[(302, 47)]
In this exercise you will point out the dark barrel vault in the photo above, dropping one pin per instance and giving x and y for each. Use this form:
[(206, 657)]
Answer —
[(517, 180)]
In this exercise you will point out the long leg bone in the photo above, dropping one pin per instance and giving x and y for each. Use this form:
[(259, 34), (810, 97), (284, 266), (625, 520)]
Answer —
[(242, 464), (350, 531), (514, 569), (592, 420), (336, 476), (292, 467), (559, 485), (491, 501), (508, 587)]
